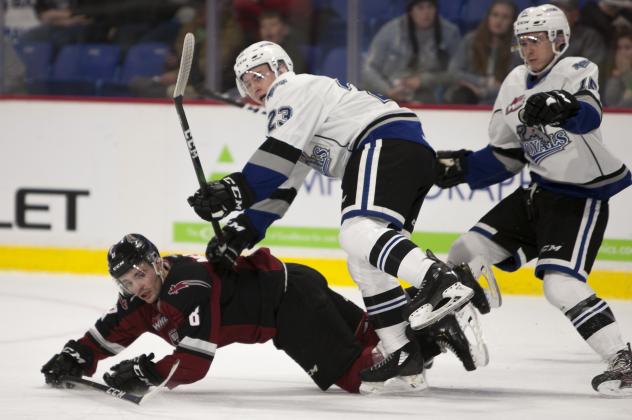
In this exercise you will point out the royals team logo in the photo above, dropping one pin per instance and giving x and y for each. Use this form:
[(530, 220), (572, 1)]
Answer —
[(538, 145), (174, 289), (319, 160), (515, 105)]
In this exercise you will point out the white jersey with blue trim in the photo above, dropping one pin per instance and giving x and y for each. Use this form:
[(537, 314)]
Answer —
[(324, 118), (555, 154)]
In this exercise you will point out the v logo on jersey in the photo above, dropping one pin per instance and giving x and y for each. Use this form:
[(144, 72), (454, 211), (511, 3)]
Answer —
[(538, 145), (174, 289)]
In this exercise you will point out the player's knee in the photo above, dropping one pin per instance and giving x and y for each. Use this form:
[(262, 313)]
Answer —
[(358, 234), (565, 291), (467, 247)]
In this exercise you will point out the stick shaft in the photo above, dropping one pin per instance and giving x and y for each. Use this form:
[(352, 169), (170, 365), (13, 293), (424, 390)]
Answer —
[(195, 159)]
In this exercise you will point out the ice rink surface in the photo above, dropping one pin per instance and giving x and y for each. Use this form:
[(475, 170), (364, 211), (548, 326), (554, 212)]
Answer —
[(539, 369)]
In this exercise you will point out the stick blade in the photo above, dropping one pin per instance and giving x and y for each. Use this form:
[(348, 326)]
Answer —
[(185, 64)]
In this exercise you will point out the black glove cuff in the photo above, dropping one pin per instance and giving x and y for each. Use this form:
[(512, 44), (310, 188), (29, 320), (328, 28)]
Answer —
[(242, 193), (80, 352), (253, 236)]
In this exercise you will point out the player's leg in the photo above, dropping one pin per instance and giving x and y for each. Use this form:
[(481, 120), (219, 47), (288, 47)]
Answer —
[(571, 231), (312, 331), (504, 237), (383, 188), (385, 301)]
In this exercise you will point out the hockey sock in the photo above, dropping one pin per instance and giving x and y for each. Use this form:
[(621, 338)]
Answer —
[(385, 313), (350, 380), (595, 322), (398, 256)]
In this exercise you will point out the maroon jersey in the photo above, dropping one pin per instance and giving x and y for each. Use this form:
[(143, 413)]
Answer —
[(197, 312)]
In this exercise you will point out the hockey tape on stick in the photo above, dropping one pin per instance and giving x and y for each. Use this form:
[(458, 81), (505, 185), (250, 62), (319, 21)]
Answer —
[(183, 76), (120, 394)]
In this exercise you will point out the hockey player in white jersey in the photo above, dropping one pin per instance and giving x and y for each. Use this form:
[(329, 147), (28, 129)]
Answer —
[(386, 165), (547, 116)]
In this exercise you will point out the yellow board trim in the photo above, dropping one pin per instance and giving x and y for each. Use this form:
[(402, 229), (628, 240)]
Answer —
[(607, 284)]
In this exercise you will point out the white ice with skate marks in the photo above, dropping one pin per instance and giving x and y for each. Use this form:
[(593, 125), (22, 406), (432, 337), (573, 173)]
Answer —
[(539, 368)]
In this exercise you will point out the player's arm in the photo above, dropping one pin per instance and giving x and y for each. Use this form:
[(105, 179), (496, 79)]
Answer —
[(499, 160), (294, 113), (576, 107), (249, 227), (114, 331)]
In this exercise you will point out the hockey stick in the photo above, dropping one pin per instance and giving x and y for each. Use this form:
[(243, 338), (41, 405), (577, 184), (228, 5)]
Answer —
[(221, 97), (120, 394), (183, 77)]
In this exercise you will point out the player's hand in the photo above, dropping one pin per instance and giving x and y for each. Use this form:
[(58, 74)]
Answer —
[(134, 375), (549, 108), (239, 234), (218, 198), (69, 363), (450, 167)]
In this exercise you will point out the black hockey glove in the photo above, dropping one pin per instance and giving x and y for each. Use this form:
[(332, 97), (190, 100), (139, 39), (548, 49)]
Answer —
[(218, 198), (451, 167), (549, 108), (69, 363), (239, 234), (134, 375)]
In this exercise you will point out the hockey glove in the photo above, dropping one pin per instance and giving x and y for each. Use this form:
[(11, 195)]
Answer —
[(451, 167), (134, 375), (218, 198), (549, 108), (69, 363), (239, 234)]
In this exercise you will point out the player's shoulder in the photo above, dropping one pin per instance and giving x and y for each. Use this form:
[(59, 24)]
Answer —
[(569, 66), (187, 277), (291, 86)]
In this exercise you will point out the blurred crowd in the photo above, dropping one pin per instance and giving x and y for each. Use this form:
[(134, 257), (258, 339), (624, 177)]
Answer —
[(416, 51)]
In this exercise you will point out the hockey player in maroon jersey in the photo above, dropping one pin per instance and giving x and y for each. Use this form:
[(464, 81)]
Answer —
[(198, 309)]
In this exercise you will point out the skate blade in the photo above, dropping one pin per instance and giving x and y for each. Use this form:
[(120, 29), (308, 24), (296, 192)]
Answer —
[(458, 296), (468, 321), (613, 389), (490, 287), (398, 385)]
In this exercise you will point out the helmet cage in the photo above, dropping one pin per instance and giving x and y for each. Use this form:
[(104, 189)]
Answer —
[(263, 52), (546, 18)]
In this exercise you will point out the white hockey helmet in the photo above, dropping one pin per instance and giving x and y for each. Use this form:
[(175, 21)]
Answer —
[(545, 18), (262, 52)]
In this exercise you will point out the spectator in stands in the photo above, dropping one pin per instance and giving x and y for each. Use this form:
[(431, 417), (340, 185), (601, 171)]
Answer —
[(231, 43), (19, 17), (59, 24), (605, 16), (618, 90), (587, 42), (274, 27), (13, 70), (297, 15), (484, 57), (408, 58)]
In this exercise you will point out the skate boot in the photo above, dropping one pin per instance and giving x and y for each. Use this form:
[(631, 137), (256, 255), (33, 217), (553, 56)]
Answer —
[(617, 380), (466, 277), (399, 372), (461, 334), (441, 293)]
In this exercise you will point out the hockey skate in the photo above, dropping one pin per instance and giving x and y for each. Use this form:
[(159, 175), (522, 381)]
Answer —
[(441, 293), (399, 372), (461, 334), (617, 380), (484, 298)]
